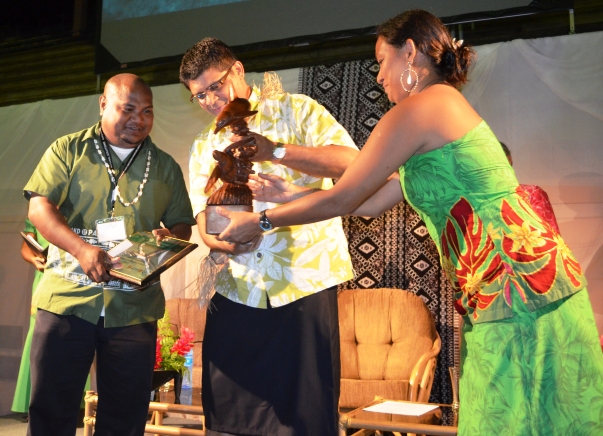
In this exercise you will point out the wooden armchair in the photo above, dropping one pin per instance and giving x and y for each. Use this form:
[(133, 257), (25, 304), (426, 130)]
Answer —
[(389, 347), (186, 312)]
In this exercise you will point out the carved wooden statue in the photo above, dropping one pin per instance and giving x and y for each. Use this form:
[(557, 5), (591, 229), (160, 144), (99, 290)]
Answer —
[(233, 166)]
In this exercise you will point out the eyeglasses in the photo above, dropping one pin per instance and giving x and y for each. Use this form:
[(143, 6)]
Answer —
[(211, 89)]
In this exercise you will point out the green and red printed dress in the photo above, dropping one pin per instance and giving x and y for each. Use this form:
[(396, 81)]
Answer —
[(532, 364)]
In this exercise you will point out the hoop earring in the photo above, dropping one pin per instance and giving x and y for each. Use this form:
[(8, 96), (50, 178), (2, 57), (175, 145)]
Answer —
[(411, 71)]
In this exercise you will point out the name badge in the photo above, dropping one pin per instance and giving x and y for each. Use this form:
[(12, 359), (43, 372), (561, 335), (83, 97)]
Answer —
[(111, 229)]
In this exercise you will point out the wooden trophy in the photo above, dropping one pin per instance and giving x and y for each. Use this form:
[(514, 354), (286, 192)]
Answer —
[(233, 168)]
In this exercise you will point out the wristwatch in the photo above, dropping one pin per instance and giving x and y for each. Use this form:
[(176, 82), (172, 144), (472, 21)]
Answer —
[(279, 150), (265, 223)]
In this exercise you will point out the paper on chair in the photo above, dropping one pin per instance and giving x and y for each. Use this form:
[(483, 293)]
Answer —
[(400, 408)]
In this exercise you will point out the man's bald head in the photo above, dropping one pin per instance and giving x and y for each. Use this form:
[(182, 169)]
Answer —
[(125, 83), (126, 108)]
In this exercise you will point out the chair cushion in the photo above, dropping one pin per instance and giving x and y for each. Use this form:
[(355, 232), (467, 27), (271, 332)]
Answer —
[(383, 334)]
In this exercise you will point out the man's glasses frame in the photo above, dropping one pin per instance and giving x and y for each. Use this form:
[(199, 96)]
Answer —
[(214, 87)]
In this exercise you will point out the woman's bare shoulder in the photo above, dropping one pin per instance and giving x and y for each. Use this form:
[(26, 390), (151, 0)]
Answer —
[(443, 115)]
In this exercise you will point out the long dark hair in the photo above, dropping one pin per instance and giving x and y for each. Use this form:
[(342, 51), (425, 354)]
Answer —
[(431, 37)]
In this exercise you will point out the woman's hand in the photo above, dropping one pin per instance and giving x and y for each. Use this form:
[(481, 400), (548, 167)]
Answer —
[(32, 256), (244, 227), (275, 189), (39, 261), (236, 248)]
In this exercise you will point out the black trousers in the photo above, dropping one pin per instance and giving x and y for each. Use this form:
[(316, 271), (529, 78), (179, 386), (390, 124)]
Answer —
[(62, 351), (272, 372)]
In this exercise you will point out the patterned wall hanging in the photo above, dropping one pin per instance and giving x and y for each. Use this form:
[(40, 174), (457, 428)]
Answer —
[(394, 250)]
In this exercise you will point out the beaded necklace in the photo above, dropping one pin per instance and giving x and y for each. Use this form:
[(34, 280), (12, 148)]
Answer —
[(107, 161)]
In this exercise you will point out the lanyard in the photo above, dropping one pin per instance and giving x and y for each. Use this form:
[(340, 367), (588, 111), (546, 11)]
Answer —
[(111, 170)]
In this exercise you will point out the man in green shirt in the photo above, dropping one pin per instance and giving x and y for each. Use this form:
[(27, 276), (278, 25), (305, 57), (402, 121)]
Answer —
[(90, 189)]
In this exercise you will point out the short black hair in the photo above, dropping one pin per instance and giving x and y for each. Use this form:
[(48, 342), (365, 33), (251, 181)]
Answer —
[(505, 149), (207, 53)]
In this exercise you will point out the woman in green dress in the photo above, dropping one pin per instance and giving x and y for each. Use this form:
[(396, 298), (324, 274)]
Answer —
[(22, 390), (532, 364), (23, 387)]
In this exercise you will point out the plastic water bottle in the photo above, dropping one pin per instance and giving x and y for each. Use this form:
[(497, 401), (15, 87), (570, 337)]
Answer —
[(187, 380), (186, 396)]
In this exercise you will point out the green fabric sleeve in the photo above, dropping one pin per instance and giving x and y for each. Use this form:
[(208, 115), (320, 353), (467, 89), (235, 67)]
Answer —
[(29, 227), (51, 177)]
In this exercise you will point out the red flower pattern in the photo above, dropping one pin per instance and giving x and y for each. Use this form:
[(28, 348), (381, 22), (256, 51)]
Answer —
[(471, 262), (539, 200), (529, 244), (475, 266)]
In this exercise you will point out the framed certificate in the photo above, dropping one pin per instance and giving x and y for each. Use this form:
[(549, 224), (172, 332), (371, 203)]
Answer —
[(142, 259)]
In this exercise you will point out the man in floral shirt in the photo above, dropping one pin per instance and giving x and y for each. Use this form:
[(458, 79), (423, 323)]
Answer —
[(271, 346)]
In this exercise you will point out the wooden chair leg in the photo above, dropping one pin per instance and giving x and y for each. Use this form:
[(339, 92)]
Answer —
[(89, 409), (157, 419)]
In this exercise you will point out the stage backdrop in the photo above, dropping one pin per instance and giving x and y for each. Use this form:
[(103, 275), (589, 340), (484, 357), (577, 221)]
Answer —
[(543, 97)]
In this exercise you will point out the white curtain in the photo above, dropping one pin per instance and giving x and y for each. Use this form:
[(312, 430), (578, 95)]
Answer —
[(542, 97)]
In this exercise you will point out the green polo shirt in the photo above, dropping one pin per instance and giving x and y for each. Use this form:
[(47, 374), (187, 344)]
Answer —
[(72, 175)]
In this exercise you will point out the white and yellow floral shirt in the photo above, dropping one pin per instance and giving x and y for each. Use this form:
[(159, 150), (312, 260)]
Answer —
[(290, 262)]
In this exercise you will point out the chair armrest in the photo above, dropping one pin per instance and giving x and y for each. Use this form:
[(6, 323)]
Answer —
[(421, 376)]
